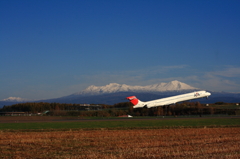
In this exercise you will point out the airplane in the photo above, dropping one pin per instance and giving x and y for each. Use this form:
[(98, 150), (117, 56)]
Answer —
[(167, 101)]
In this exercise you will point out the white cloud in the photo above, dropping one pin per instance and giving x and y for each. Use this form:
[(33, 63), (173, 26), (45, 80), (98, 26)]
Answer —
[(148, 71), (228, 72), (146, 76), (225, 79), (219, 80)]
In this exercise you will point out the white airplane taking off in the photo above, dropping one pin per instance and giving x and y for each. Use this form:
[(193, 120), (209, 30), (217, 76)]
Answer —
[(169, 100)]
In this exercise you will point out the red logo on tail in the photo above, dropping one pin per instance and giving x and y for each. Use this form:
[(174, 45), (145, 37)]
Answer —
[(133, 100)]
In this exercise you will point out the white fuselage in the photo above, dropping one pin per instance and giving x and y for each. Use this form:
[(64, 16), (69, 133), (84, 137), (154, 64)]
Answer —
[(173, 99)]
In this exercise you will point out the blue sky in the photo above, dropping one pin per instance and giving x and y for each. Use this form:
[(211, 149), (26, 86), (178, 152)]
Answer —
[(53, 48)]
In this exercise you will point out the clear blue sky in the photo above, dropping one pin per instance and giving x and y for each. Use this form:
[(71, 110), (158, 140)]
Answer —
[(53, 48)]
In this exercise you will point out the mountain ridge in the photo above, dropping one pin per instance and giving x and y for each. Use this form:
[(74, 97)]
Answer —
[(113, 93), (15, 99), (115, 87)]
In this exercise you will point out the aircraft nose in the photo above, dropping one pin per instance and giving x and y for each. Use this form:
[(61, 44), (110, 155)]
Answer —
[(208, 93)]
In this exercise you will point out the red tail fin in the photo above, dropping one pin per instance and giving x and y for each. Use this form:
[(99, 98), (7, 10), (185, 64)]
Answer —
[(133, 100)]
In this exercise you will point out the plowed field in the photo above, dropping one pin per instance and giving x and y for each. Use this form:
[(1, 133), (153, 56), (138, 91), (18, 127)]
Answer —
[(123, 144)]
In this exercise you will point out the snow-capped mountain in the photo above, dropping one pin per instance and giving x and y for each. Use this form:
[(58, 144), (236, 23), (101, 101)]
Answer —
[(115, 93), (115, 87), (15, 99), (12, 100)]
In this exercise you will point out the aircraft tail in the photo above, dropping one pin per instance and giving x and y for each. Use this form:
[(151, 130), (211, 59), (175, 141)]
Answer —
[(136, 102)]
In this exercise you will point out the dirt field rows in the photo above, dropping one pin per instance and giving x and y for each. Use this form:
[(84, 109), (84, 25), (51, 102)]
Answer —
[(120, 144)]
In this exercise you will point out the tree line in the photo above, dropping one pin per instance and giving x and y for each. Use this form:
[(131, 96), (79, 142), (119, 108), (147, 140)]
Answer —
[(126, 108)]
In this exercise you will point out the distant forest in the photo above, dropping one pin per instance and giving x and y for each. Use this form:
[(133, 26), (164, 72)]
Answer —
[(126, 108)]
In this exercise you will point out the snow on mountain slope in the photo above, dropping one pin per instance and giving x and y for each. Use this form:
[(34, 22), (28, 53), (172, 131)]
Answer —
[(14, 99), (115, 87)]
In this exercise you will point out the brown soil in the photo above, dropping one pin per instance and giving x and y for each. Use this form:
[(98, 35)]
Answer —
[(123, 144)]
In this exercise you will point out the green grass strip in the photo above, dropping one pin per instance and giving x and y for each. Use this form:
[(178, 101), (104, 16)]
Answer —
[(125, 124)]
